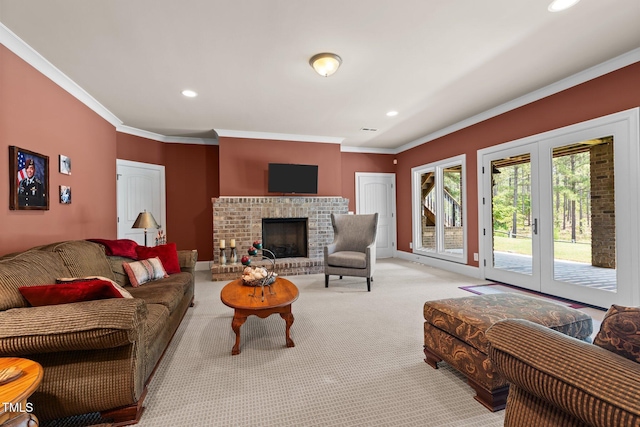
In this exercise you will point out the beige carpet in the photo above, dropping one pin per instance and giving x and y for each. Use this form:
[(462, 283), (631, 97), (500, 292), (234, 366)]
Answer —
[(358, 359)]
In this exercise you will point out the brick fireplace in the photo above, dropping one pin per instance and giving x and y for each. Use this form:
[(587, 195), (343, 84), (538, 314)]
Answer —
[(241, 219)]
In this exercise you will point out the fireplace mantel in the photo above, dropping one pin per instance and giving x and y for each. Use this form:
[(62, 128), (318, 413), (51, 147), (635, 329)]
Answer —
[(240, 218)]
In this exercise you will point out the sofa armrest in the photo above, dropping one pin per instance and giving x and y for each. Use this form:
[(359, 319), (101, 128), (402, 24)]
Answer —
[(188, 260), (588, 382), (85, 325)]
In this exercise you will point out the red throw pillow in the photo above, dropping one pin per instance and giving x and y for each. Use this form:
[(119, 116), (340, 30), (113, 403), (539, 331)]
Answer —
[(120, 247), (168, 255), (67, 293)]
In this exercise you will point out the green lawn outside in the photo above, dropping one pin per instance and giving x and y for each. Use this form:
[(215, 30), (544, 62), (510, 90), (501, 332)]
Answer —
[(579, 252)]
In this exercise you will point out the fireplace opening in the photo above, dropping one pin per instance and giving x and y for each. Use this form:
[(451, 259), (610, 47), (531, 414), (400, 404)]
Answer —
[(285, 237)]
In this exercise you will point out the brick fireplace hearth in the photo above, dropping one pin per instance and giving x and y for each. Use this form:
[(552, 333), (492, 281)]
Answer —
[(240, 218)]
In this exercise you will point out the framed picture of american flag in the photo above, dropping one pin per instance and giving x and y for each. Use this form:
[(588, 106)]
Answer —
[(28, 180)]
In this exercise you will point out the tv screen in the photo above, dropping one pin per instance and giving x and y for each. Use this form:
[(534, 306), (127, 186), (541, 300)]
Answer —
[(288, 178)]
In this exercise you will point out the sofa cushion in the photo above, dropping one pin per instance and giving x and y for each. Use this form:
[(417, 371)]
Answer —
[(26, 269), (168, 255), (620, 332), (120, 276), (122, 291), (141, 272), (348, 259), (167, 294), (82, 258)]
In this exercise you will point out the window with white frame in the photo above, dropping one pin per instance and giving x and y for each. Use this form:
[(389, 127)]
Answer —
[(439, 195)]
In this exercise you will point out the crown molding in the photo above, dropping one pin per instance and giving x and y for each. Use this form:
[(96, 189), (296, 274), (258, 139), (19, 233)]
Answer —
[(606, 67), (278, 136), (18, 46), (367, 150), (163, 138)]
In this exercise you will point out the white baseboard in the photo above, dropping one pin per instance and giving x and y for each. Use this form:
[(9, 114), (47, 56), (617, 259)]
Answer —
[(454, 267), (203, 265)]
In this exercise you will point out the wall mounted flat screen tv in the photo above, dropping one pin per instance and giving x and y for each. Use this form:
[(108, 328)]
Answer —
[(289, 178)]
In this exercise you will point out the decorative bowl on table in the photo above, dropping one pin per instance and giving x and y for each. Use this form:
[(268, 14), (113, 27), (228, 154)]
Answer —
[(257, 276)]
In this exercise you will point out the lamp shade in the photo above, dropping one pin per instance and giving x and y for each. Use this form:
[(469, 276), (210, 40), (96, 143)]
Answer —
[(145, 220), (325, 63)]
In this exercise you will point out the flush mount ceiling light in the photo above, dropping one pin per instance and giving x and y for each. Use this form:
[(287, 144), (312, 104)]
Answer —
[(392, 113), (559, 5), (325, 63), (189, 93)]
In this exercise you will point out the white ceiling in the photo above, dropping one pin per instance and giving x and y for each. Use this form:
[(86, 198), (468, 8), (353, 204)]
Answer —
[(436, 62)]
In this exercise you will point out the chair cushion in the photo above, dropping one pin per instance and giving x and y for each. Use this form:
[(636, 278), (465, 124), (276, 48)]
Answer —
[(354, 232), (348, 259)]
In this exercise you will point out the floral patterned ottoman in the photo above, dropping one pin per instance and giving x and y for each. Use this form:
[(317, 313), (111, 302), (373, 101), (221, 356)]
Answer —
[(454, 332)]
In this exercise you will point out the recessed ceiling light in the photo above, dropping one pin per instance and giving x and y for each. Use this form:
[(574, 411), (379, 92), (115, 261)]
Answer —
[(559, 5), (189, 93), (392, 113)]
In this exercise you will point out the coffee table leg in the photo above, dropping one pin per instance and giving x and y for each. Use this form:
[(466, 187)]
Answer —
[(288, 318), (238, 321)]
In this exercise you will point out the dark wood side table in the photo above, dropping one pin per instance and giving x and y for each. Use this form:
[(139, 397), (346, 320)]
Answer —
[(14, 393), (239, 297)]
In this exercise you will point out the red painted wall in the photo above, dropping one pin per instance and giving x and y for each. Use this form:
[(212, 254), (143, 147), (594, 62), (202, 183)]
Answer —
[(37, 115), (192, 180), (139, 149), (362, 162), (244, 164), (611, 93)]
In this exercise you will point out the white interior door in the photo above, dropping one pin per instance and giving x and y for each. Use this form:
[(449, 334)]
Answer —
[(375, 192), (141, 186)]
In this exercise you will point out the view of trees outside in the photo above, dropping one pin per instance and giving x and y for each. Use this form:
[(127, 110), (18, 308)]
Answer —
[(512, 220)]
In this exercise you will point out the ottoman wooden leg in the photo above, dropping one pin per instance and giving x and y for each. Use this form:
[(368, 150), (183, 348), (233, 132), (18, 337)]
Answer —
[(431, 358), (495, 400)]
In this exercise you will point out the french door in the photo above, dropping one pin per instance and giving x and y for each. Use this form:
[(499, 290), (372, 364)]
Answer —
[(556, 213)]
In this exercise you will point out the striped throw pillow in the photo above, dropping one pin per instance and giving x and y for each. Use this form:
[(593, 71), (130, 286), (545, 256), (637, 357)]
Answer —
[(144, 271)]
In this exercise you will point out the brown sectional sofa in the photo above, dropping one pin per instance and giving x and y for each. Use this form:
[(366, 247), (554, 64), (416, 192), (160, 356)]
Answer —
[(557, 380), (98, 356)]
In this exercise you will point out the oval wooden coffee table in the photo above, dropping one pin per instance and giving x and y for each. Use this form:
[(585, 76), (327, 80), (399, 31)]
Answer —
[(15, 392), (239, 297)]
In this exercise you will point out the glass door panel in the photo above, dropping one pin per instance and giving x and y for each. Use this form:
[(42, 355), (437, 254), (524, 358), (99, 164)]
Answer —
[(452, 204), (429, 211), (511, 215), (583, 209)]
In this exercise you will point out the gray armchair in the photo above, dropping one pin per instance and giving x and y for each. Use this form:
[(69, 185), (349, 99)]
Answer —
[(353, 251)]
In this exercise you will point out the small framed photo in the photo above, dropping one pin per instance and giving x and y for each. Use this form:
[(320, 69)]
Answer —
[(65, 165), (65, 195), (28, 180)]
